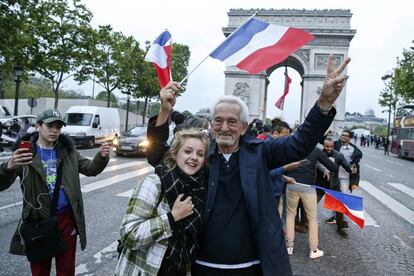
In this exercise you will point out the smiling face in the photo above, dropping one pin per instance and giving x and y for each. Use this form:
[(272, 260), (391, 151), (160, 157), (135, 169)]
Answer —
[(191, 155), (328, 146), (227, 126)]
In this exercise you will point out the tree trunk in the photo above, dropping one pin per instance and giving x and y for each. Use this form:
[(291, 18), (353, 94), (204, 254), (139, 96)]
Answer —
[(108, 102), (145, 110), (56, 92)]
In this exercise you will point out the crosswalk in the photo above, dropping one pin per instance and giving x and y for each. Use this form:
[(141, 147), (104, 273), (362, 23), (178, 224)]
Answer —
[(120, 170), (107, 181)]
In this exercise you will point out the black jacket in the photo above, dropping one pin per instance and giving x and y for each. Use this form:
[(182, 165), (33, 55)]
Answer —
[(257, 158), (306, 174)]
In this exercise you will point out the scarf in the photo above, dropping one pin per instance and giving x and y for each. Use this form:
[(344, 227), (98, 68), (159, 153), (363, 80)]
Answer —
[(183, 243)]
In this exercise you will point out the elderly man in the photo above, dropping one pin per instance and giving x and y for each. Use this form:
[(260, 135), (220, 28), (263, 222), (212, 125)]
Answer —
[(242, 233)]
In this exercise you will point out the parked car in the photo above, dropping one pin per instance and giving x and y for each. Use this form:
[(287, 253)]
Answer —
[(132, 142), (91, 125)]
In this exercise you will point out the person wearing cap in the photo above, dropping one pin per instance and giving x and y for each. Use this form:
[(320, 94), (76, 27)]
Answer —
[(51, 153)]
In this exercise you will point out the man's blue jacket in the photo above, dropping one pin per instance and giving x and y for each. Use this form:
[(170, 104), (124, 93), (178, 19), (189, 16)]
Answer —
[(256, 159)]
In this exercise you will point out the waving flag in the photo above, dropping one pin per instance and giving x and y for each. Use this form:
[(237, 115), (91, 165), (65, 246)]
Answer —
[(160, 54), (279, 104), (350, 205), (257, 45)]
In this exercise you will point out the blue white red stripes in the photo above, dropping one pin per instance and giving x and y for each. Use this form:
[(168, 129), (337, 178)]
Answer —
[(350, 205), (257, 45), (160, 54)]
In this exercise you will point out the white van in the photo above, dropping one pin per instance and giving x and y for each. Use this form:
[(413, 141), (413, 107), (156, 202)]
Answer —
[(91, 125)]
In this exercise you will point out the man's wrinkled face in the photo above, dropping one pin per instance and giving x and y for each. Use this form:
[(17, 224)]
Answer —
[(227, 126), (328, 146)]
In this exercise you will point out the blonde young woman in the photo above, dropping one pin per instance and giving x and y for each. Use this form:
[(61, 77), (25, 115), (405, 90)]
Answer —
[(159, 229)]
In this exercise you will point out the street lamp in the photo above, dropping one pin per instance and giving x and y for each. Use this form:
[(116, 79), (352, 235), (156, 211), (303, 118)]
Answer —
[(18, 73), (384, 78), (128, 93)]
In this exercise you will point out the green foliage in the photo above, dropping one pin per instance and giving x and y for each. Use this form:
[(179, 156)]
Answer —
[(103, 96), (45, 36), (180, 58), (402, 81), (381, 130), (105, 59)]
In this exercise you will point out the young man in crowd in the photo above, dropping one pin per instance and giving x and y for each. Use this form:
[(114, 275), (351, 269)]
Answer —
[(46, 157)]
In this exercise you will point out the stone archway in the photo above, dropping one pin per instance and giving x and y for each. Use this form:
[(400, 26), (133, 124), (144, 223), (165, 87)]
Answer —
[(333, 34)]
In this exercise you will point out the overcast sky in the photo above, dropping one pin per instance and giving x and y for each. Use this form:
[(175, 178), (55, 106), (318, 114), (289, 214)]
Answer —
[(383, 30)]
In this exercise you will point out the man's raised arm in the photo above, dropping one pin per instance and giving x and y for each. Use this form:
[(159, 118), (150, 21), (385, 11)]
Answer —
[(158, 131)]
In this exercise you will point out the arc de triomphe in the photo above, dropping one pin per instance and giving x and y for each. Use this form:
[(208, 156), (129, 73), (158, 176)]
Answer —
[(333, 34)]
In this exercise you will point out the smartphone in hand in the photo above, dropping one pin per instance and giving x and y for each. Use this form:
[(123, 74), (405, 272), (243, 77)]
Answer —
[(25, 145)]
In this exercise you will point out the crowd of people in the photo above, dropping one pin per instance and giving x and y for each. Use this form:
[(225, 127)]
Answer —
[(379, 142), (220, 201)]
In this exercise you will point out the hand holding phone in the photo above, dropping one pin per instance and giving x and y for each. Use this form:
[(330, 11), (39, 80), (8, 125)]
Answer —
[(25, 145)]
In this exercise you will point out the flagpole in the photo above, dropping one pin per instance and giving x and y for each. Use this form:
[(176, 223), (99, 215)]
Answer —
[(186, 77)]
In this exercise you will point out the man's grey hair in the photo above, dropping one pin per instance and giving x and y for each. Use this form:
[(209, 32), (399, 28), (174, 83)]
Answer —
[(244, 114)]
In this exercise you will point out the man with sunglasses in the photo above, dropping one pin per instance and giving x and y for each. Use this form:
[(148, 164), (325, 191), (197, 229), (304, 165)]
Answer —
[(37, 161)]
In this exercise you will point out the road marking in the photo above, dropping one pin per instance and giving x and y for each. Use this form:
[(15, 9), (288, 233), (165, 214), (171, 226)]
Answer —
[(389, 202), (118, 167), (371, 167), (82, 268), (403, 188), (127, 194), (404, 245), (115, 179), (106, 182), (369, 221), (393, 162)]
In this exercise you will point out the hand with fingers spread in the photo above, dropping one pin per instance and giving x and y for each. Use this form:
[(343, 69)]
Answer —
[(333, 84), (182, 209), (19, 158), (168, 96)]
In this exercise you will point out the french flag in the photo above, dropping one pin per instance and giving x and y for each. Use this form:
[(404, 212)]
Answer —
[(257, 45), (350, 205), (160, 54)]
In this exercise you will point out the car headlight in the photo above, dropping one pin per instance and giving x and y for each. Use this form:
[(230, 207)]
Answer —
[(115, 142), (144, 143), (80, 134)]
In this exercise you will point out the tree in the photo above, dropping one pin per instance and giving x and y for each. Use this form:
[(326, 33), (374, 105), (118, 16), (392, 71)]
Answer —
[(62, 33), (105, 58), (389, 99), (402, 81), (103, 96)]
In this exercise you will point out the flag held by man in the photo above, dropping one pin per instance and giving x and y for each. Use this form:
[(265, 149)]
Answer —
[(257, 45), (160, 54)]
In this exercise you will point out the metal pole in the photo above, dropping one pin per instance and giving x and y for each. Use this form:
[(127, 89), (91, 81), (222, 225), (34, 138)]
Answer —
[(389, 122), (16, 98), (126, 119)]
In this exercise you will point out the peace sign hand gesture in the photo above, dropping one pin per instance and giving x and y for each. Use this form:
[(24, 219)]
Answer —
[(333, 84)]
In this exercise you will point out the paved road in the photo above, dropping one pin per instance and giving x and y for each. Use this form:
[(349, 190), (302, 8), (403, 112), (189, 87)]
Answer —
[(383, 247)]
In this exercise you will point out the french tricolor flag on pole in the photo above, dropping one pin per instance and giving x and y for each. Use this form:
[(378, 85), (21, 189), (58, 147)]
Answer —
[(257, 45), (350, 205), (160, 54)]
